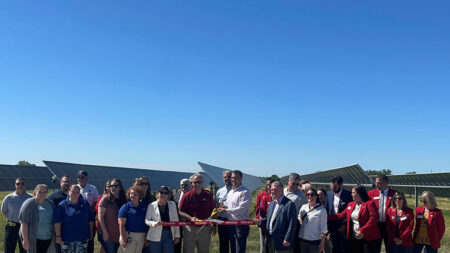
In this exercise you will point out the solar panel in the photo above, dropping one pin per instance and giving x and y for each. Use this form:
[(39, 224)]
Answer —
[(352, 174), (98, 175), (215, 173), (33, 175)]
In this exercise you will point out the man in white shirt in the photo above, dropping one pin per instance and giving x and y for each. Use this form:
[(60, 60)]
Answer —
[(90, 194), (236, 208), (221, 197)]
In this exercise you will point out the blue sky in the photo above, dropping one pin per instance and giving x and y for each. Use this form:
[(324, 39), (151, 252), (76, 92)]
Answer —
[(268, 87)]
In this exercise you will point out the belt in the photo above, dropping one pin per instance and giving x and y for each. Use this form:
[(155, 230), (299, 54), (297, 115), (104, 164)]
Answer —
[(12, 223)]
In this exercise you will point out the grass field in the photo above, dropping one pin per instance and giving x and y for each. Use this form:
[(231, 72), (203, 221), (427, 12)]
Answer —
[(253, 239)]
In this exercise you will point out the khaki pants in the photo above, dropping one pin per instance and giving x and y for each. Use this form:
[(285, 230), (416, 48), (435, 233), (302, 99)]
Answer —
[(198, 237), (136, 245)]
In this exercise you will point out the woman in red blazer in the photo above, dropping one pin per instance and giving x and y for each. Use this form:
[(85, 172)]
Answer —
[(430, 225), (362, 227), (399, 225)]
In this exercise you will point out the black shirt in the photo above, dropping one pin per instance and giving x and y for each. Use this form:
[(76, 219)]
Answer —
[(57, 197), (164, 212)]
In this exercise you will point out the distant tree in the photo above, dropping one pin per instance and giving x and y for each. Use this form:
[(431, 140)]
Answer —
[(274, 178), (25, 163), (379, 172)]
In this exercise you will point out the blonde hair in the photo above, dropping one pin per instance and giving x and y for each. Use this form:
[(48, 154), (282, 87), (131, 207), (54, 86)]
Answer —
[(39, 186), (429, 197)]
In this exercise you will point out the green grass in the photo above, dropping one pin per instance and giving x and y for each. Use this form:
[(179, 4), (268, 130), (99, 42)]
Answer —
[(253, 239)]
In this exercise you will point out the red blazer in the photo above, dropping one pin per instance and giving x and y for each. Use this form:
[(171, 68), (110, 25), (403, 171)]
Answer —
[(405, 226), (368, 218), (262, 204), (375, 194), (436, 225)]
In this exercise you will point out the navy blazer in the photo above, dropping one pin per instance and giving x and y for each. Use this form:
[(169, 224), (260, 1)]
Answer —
[(346, 197), (284, 225)]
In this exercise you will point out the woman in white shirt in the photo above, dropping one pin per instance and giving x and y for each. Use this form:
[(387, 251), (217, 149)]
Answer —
[(162, 238), (313, 220)]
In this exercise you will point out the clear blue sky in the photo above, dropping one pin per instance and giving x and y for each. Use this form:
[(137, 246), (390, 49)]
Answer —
[(269, 87)]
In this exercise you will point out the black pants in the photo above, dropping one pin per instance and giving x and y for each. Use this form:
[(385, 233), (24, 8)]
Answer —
[(339, 240), (297, 241), (384, 235), (363, 246), (12, 238), (42, 245), (224, 238)]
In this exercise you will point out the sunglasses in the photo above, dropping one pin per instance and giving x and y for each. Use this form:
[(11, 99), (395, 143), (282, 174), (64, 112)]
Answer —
[(81, 177), (114, 186), (398, 198), (144, 183), (310, 194), (164, 193), (196, 182), (424, 201), (20, 183), (296, 184)]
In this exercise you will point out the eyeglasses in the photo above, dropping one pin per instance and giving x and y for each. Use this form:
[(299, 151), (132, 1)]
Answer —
[(424, 201), (310, 194), (197, 182), (114, 186), (20, 183), (399, 198), (164, 193), (81, 177), (143, 183), (296, 184)]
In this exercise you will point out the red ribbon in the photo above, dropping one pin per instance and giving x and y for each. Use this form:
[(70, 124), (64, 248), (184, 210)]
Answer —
[(200, 223)]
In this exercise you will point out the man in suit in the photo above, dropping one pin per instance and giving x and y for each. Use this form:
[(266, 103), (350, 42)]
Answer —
[(185, 186), (262, 204), (337, 200), (281, 222), (382, 197)]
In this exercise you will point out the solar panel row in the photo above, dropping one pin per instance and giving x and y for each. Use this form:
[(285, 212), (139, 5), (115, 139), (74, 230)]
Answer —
[(353, 174)]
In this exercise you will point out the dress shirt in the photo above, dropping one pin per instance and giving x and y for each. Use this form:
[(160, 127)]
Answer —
[(11, 205), (221, 197), (314, 224), (274, 214), (382, 205), (336, 199), (237, 203), (90, 194), (179, 200), (297, 196), (355, 219)]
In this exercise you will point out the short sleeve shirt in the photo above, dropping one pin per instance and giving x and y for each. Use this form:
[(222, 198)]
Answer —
[(135, 217), (111, 218), (90, 194), (11, 205), (198, 205), (74, 219), (57, 197)]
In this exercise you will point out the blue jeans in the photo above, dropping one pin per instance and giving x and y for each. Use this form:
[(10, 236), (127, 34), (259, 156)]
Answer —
[(428, 249), (109, 246), (238, 238), (399, 249), (74, 247), (166, 245)]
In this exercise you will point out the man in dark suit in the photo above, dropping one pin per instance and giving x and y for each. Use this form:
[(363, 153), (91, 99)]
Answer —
[(281, 221), (382, 197), (185, 186), (337, 200)]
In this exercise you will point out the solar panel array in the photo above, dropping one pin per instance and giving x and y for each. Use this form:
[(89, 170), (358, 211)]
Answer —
[(98, 175), (352, 174), (251, 182), (33, 175), (438, 183)]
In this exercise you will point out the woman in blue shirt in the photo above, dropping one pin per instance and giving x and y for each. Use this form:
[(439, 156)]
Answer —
[(132, 225), (74, 222), (36, 216)]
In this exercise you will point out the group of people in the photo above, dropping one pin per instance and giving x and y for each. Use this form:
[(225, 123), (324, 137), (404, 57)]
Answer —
[(340, 221), (295, 218)]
